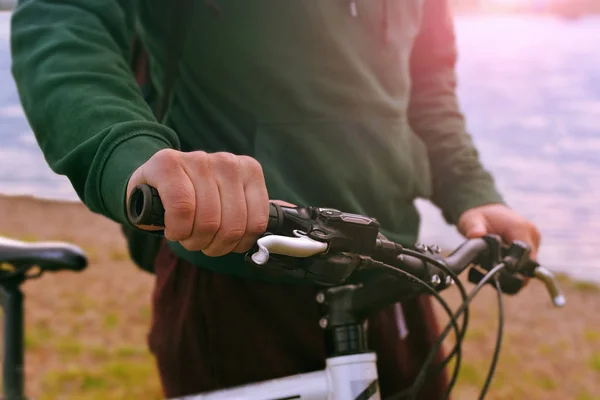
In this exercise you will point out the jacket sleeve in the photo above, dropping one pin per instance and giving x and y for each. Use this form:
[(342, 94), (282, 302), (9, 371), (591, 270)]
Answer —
[(70, 64), (459, 180)]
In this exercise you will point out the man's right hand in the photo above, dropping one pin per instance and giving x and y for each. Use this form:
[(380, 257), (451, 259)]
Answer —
[(216, 203)]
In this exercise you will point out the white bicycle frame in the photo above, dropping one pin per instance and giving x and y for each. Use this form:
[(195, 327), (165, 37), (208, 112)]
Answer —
[(352, 377), (345, 377), (348, 377)]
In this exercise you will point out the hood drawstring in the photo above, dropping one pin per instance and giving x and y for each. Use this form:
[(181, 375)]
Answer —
[(353, 10)]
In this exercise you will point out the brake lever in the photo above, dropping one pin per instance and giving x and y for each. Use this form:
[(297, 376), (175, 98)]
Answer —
[(300, 246), (512, 283), (518, 261), (518, 268)]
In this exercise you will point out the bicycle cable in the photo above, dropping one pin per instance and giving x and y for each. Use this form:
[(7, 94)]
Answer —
[(493, 364), (486, 278), (453, 322), (463, 294), (421, 377)]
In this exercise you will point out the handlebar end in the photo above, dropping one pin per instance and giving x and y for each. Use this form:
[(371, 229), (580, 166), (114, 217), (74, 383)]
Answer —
[(547, 277), (559, 301), (145, 207)]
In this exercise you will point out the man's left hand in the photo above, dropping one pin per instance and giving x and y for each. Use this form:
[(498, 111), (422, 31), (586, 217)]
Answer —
[(500, 220)]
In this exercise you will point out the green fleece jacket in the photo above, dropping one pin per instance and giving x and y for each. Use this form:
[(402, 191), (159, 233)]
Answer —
[(351, 110)]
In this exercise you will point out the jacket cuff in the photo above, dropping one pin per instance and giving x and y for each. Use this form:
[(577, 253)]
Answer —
[(121, 162)]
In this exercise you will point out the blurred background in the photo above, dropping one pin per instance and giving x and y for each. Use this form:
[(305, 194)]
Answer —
[(529, 84)]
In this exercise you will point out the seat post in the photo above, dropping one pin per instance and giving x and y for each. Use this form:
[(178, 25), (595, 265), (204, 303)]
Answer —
[(13, 363)]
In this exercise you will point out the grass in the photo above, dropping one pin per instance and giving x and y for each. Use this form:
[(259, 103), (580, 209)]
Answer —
[(97, 372), (588, 287), (579, 285), (476, 334), (37, 336), (546, 354), (23, 238), (131, 351), (546, 382), (585, 395), (545, 349), (117, 379), (146, 314), (68, 348), (595, 362), (111, 320), (591, 335), (119, 255)]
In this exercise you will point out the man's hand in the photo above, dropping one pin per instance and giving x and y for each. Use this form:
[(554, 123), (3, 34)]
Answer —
[(500, 220), (215, 203)]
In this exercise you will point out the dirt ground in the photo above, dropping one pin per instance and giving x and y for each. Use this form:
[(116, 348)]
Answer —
[(86, 332)]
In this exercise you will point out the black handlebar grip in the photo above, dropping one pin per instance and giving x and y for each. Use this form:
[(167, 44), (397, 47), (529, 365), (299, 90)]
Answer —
[(145, 207), (275, 219)]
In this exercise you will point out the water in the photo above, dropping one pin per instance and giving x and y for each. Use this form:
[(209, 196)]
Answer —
[(530, 87)]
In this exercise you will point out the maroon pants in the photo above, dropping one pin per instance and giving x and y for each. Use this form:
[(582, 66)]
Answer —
[(211, 331)]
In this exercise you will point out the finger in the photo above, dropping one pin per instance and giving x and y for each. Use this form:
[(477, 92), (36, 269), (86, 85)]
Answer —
[(537, 241), (534, 243), (284, 203), (257, 204), (165, 173), (524, 234), (226, 171), (473, 226), (207, 220)]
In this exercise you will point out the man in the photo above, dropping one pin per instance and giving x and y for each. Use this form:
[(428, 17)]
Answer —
[(331, 103)]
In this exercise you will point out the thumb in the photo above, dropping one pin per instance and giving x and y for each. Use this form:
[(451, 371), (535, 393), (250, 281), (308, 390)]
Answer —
[(474, 226)]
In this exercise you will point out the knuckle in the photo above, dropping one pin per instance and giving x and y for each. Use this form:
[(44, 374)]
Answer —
[(226, 162), (257, 228), (167, 159), (251, 165), (232, 236), (199, 161), (181, 206)]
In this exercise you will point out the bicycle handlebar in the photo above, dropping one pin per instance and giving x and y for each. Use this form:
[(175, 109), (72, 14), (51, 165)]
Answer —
[(327, 246)]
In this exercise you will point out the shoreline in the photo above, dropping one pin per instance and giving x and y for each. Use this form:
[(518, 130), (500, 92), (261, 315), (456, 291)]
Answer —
[(19, 202)]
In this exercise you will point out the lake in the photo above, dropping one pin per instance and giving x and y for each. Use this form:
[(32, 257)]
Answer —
[(530, 88)]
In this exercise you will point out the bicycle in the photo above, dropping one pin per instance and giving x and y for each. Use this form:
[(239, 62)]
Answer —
[(20, 261), (327, 246)]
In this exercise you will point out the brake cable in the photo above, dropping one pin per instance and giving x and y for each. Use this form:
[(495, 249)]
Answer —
[(493, 364), (487, 277), (463, 295), (453, 322)]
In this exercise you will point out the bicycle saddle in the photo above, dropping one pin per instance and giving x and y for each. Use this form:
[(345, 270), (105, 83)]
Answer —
[(50, 256)]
